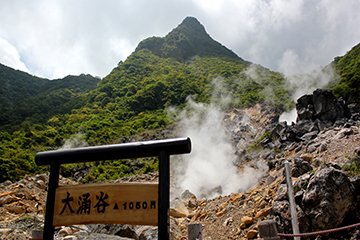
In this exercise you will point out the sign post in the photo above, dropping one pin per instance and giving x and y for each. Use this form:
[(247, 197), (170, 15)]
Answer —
[(125, 203), (164, 195)]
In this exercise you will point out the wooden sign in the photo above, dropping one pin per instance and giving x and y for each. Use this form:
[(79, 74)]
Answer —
[(138, 204), (118, 203)]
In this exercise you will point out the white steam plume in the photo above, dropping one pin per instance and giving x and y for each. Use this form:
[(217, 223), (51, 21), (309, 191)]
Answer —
[(306, 84), (209, 169), (75, 141), (304, 77)]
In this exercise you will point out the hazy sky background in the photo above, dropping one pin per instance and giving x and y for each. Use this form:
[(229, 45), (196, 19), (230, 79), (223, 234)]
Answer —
[(56, 38)]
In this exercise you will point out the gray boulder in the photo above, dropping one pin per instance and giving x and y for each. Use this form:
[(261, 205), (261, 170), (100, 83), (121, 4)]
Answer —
[(281, 214), (328, 198), (127, 231), (323, 199)]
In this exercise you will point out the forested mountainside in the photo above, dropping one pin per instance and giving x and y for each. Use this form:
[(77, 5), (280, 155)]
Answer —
[(16, 86), (348, 67), (132, 99), (155, 77), (189, 39), (28, 98)]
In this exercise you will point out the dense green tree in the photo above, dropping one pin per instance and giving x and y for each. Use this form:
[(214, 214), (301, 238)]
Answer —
[(348, 68)]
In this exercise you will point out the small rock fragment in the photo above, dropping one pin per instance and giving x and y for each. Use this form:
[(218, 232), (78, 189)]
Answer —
[(251, 234), (222, 212), (263, 213), (227, 221), (16, 209), (247, 220)]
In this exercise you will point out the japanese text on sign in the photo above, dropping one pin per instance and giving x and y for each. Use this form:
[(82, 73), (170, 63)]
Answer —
[(96, 203), (85, 204)]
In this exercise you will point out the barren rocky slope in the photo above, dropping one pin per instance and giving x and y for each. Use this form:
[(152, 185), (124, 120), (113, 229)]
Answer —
[(323, 148)]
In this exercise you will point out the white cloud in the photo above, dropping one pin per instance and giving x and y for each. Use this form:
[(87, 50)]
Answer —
[(9, 56), (289, 63), (61, 37), (333, 12), (214, 6), (285, 10)]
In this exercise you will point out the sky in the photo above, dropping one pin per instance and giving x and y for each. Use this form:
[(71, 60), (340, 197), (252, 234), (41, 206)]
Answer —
[(56, 38)]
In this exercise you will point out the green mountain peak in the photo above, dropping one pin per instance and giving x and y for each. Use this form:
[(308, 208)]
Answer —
[(187, 40)]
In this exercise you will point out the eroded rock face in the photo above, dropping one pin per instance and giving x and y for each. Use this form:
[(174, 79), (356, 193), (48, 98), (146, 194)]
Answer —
[(328, 198), (299, 167)]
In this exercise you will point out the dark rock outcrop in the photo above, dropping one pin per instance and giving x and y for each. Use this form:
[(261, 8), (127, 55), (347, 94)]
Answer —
[(322, 105), (316, 113)]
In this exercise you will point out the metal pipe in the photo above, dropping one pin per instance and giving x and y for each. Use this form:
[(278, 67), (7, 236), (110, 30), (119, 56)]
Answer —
[(294, 217), (115, 151)]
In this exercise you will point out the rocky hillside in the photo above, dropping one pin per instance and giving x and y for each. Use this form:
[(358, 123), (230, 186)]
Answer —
[(323, 147)]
